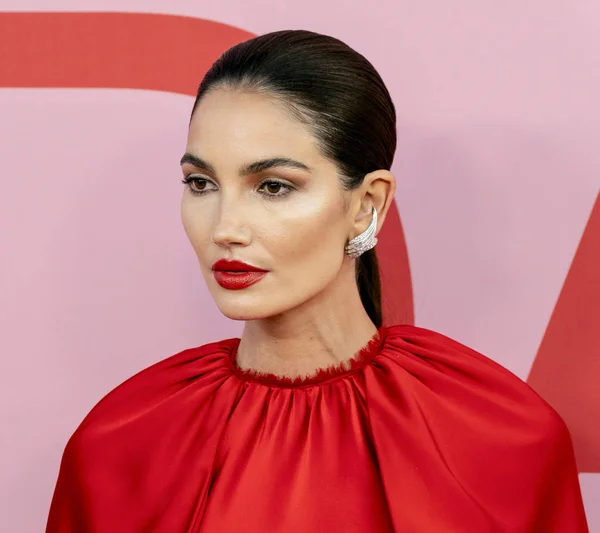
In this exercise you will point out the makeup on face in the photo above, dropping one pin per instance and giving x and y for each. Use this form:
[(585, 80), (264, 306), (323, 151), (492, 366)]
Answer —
[(236, 275), (259, 191)]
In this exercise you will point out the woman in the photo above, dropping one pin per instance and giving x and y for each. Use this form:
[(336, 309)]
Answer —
[(319, 419)]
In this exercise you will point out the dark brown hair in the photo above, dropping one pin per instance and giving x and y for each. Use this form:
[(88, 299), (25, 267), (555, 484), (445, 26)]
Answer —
[(339, 94)]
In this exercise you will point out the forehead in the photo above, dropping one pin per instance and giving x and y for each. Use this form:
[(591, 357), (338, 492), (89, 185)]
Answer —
[(238, 125)]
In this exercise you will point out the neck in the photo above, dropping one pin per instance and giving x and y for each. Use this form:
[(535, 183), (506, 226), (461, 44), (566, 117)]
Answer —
[(327, 330)]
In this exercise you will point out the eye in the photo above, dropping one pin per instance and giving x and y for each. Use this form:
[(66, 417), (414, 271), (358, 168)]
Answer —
[(197, 185), (275, 188)]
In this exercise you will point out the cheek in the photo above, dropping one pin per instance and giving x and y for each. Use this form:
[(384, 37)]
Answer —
[(194, 225), (309, 246), (187, 220)]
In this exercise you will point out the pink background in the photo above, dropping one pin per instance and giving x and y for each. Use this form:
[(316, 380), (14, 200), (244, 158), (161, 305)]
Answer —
[(497, 167)]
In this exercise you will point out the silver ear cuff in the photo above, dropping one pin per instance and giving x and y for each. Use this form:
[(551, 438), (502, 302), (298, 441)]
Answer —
[(365, 241)]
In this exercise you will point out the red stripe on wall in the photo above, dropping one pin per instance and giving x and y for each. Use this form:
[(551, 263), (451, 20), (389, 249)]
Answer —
[(567, 367), (110, 50)]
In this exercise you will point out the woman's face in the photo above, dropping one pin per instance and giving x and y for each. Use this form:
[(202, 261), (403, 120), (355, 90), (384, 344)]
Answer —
[(262, 193)]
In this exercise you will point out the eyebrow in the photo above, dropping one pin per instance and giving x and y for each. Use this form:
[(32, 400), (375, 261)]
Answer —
[(252, 168)]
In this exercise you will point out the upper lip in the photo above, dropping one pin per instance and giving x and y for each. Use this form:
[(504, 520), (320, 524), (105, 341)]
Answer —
[(234, 265)]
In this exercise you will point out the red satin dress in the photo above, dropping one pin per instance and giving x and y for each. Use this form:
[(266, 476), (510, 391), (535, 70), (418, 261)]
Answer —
[(420, 434)]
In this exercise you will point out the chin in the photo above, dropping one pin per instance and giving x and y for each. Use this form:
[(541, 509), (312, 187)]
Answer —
[(244, 311)]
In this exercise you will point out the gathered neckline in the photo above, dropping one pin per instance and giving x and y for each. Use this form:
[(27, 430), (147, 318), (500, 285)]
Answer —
[(320, 376)]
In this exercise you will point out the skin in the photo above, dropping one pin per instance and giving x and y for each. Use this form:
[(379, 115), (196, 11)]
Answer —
[(306, 313)]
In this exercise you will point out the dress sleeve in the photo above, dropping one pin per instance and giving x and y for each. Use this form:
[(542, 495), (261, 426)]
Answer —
[(68, 507), (469, 444), (141, 460)]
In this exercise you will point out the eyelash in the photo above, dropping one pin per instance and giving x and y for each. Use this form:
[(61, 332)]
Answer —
[(288, 188)]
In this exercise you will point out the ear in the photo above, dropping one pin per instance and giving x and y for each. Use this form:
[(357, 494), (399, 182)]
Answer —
[(377, 189)]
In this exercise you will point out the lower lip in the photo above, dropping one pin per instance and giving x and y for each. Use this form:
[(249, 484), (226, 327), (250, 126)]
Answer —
[(237, 280)]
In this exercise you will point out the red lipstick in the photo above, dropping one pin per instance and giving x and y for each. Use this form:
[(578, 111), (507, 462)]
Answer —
[(235, 275)]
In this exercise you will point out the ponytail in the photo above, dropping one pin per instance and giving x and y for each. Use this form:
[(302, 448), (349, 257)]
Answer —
[(369, 285)]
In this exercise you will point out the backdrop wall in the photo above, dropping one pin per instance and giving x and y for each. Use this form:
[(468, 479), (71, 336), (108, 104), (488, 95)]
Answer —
[(495, 241)]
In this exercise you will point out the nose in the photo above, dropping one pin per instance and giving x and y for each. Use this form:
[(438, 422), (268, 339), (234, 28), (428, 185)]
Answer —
[(231, 228)]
